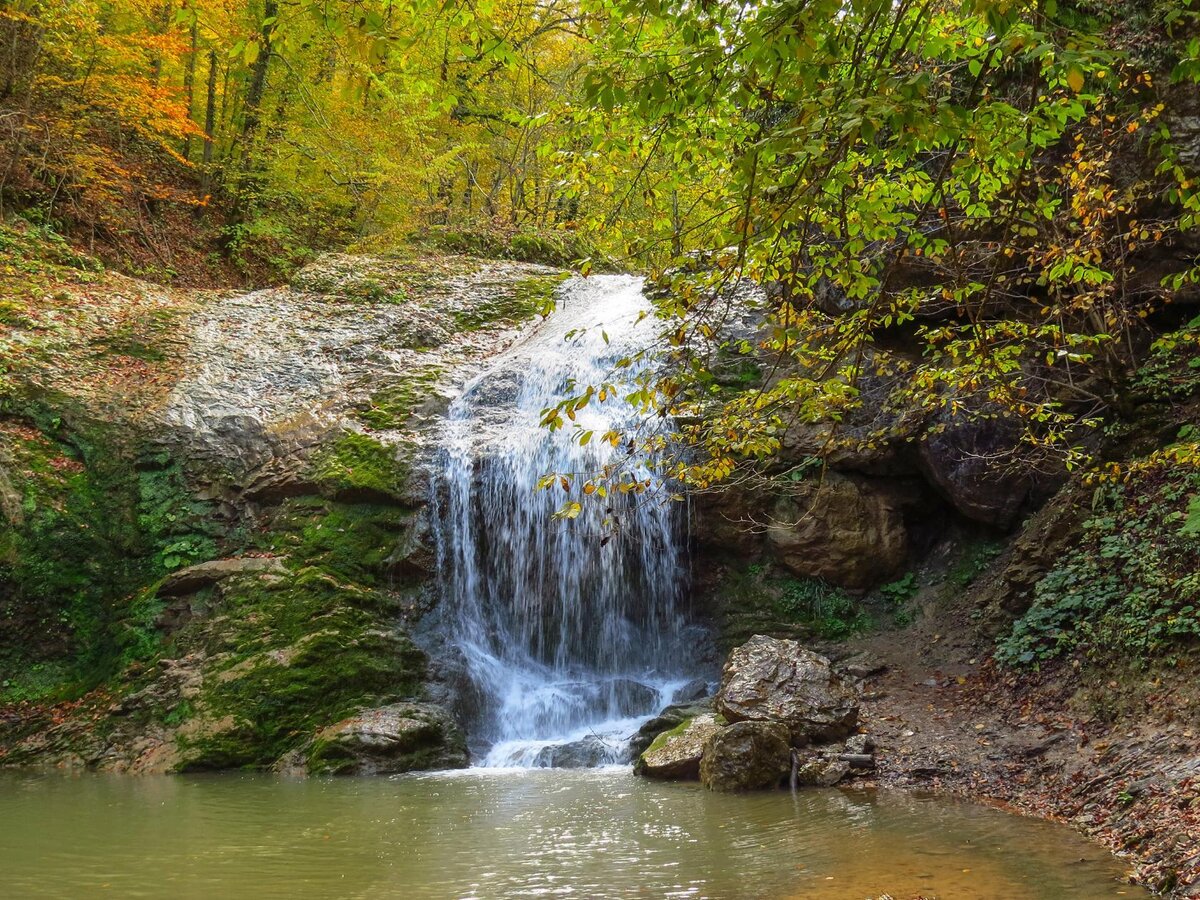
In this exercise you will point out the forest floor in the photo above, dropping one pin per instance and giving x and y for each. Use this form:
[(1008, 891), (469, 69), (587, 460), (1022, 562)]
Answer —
[(1116, 754)]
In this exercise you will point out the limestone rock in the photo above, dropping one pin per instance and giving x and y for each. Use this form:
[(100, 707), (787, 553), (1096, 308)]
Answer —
[(205, 574), (768, 679), (669, 718), (821, 771), (587, 753), (676, 754), (964, 461), (402, 737), (839, 529), (746, 756), (696, 689)]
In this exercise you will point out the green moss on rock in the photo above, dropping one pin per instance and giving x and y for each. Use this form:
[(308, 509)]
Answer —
[(291, 655), (358, 467)]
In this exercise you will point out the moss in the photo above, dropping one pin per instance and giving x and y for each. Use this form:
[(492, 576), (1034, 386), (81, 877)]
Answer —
[(393, 406), (358, 467), (661, 741), (352, 541), (92, 520), (298, 654), (516, 303)]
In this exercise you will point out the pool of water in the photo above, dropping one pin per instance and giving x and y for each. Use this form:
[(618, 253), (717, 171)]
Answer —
[(521, 833)]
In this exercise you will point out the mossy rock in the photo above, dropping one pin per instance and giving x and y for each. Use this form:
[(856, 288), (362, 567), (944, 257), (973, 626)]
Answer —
[(295, 655), (358, 468), (512, 304), (401, 737)]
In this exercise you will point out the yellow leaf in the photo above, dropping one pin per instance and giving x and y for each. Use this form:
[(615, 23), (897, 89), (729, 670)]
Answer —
[(1075, 80)]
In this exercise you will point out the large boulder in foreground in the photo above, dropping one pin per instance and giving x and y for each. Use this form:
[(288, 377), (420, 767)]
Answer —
[(839, 529), (746, 756), (676, 754), (769, 679), (402, 737)]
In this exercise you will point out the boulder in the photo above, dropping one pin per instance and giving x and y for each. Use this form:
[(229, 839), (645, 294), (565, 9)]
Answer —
[(839, 529), (746, 756), (770, 679), (669, 718), (402, 737), (979, 466), (696, 689), (820, 771), (676, 754), (587, 753)]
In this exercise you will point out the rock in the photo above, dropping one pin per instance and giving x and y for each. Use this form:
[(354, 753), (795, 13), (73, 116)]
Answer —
[(769, 679), (965, 463), (587, 753), (676, 754), (859, 743), (631, 698), (206, 574), (857, 760), (746, 756), (821, 771), (839, 529), (860, 665), (669, 718), (696, 689), (402, 737)]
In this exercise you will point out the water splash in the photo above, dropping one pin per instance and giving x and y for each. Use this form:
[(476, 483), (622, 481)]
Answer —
[(570, 641)]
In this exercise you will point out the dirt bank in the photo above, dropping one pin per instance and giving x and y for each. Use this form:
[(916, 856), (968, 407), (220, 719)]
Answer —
[(1117, 756)]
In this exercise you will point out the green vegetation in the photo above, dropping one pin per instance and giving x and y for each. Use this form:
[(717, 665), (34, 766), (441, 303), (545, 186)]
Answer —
[(758, 600), (393, 406), (358, 465), (974, 559), (1131, 585), (300, 654), (527, 298)]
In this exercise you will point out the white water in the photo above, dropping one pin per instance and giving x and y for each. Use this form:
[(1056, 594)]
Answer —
[(566, 637)]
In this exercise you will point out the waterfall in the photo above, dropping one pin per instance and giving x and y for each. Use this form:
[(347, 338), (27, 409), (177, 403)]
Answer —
[(570, 640)]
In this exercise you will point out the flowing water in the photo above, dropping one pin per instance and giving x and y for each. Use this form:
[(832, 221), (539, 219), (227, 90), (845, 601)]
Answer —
[(494, 833), (572, 634)]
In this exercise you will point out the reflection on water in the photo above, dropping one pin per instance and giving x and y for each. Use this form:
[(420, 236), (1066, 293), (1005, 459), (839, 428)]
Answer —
[(526, 833)]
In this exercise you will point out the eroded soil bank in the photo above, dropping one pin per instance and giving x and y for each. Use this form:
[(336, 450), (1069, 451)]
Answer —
[(945, 719)]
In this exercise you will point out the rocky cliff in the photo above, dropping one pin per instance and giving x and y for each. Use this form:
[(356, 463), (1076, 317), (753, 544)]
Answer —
[(214, 538)]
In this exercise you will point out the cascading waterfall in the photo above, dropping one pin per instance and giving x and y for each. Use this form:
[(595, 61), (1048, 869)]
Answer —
[(570, 640)]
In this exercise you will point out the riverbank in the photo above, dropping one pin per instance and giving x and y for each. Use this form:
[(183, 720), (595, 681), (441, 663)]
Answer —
[(945, 719)]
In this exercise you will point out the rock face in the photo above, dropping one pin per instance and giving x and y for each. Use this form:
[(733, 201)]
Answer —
[(676, 754), (402, 737), (767, 679), (205, 574), (839, 529), (746, 756), (960, 462), (252, 499), (587, 753)]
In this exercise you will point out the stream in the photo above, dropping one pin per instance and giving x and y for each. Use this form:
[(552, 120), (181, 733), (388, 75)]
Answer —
[(500, 833)]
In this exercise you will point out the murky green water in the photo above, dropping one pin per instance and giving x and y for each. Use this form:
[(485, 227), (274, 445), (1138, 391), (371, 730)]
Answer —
[(480, 833)]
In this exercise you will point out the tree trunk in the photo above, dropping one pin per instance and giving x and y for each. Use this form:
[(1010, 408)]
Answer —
[(189, 87), (252, 109), (210, 120)]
